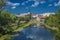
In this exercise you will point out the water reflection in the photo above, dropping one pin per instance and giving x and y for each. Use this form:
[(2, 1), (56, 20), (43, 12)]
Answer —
[(35, 33)]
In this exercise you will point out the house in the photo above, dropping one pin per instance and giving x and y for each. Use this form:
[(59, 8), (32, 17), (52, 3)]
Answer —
[(42, 18), (47, 14), (34, 15)]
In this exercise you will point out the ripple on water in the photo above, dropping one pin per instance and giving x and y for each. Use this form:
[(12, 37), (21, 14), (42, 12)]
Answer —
[(35, 33)]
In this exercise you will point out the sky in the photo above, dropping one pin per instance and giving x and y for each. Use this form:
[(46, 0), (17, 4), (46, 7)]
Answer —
[(35, 6)]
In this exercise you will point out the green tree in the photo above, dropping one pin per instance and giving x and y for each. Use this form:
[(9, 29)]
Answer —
[(54, 21), (6, 21), (2, 4)]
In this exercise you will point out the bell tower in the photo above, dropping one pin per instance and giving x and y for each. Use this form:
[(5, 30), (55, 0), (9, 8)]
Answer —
[(29, 13)]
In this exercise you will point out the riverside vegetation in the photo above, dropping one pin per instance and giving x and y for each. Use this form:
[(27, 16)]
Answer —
[(54, 21), (9, 22)]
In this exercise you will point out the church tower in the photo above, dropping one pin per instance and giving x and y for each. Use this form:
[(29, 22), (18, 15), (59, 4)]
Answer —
[(29, 13)]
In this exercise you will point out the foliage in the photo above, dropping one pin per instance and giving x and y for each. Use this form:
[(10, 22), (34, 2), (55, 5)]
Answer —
[(6, 18), (6, 21), (24, 18), (2, 4), (54, 21)]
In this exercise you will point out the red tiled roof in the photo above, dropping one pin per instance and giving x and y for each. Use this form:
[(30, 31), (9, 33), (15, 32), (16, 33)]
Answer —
[(33, 14), (42, 17)]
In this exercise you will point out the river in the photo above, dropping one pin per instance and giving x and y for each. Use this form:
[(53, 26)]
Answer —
[(35, 33)]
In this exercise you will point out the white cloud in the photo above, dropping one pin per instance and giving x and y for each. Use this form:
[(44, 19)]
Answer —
[(50, 5), (35, 0), (13, 5), (57, 4), (35, 4), (29, 0), (42, 2), (8, 3), (26, 7), (26, 1), (16, 4), (23, 3)]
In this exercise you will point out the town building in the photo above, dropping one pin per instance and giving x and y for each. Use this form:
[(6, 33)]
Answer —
[(47, 14), (42, 18), (37, 17)]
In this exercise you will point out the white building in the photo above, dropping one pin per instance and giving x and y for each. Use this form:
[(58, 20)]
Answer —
[(47, 14), (22, 14)]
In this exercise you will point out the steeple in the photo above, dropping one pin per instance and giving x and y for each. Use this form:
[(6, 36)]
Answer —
[(30, 15), (18, 13), (29, 11)]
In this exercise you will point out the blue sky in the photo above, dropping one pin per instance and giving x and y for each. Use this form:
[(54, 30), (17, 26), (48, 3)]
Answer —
[(35, 6)]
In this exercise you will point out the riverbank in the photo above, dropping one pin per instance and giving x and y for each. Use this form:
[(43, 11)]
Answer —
[(19, 29), (8, 36), (26, 25)]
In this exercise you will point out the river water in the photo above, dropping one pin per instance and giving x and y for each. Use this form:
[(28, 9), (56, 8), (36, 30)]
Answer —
[(35, 33)]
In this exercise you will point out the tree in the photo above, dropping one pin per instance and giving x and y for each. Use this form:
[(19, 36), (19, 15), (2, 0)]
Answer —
[(2, 3), (6, 19), (54, 20)]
